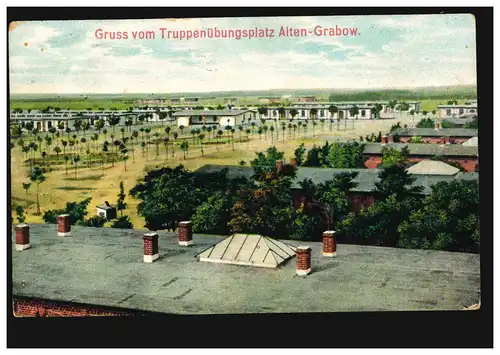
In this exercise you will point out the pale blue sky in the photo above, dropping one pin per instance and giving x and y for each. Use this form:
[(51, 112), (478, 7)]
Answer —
[(390, 52)]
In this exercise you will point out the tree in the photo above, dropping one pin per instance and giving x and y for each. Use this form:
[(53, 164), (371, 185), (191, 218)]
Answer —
[(447, 220), (76, 210), (393, 156), (173, 143), (212, 216), (219, 135), (332, 197), (265, 163), (262, 111), (99, 124), (425, 123), (201, 137), (293, 113), (281, 112), (376, 108), (166, 197), (394, 180), (37, 176), (181, 127), (26, 187), (20, 214), (113, 121), (184, 147), (266, 209), (76, 160), (343, 155), (377, 224), (272, 134), (299, 154), (120, 204)]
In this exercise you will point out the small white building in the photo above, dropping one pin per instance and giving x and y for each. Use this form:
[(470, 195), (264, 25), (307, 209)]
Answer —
[(221, 118), (107, 211), (457, 111)]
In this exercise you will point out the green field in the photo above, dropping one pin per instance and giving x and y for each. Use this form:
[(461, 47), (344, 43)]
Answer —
[(430, 97)]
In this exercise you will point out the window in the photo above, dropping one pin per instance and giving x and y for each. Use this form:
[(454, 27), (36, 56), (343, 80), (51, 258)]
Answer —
[(460, 111), (472, 111), (321, 113), (363, 113), (448, 112), (274, 113), (303, 113)]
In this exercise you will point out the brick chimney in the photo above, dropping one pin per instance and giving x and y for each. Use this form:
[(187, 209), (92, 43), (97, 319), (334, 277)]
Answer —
[(384, 140), (63, 226), (279, 165), (185, 233), (329, 244), (390, 138), (293, 162), (22, 237), (150, 247), (303, 256)]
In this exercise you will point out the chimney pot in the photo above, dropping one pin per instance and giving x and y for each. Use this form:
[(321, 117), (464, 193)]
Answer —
[(63, 226), (329, 244), (279, 165), (185, 233), (150, 247), (303, 256), (384, 140), (22, 237)]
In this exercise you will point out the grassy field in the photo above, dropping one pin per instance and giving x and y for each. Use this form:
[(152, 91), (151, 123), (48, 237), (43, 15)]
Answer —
[(95, 104), (101, 183)]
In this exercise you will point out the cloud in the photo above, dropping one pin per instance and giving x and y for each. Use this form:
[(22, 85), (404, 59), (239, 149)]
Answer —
[(391, 51)]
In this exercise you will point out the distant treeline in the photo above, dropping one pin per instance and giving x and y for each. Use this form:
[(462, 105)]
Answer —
[(422, 94), (445, 92)]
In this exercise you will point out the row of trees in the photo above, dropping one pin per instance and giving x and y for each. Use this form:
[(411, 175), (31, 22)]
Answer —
[(263, 203)]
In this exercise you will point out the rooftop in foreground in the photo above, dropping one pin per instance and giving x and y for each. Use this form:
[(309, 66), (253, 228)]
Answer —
[(102, 266)]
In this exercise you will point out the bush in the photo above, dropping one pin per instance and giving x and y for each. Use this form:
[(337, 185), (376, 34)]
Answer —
[(76, 210), (212, 216), (306, 226), (96, 221), (123, 222), (20, 214)]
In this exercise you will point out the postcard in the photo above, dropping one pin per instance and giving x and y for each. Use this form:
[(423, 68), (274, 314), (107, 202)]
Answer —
[(249, 165)]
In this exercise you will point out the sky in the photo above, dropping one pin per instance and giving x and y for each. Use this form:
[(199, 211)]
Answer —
[(388, 52)]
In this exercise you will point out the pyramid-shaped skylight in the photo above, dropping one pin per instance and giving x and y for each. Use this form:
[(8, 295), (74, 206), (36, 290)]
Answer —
[(250, 250)]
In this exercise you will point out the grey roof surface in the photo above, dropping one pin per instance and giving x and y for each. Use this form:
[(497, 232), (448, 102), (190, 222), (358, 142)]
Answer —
[(431, 132), (103, 266), (457, 150), (365, 179), (459, 121), (210, 112)]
